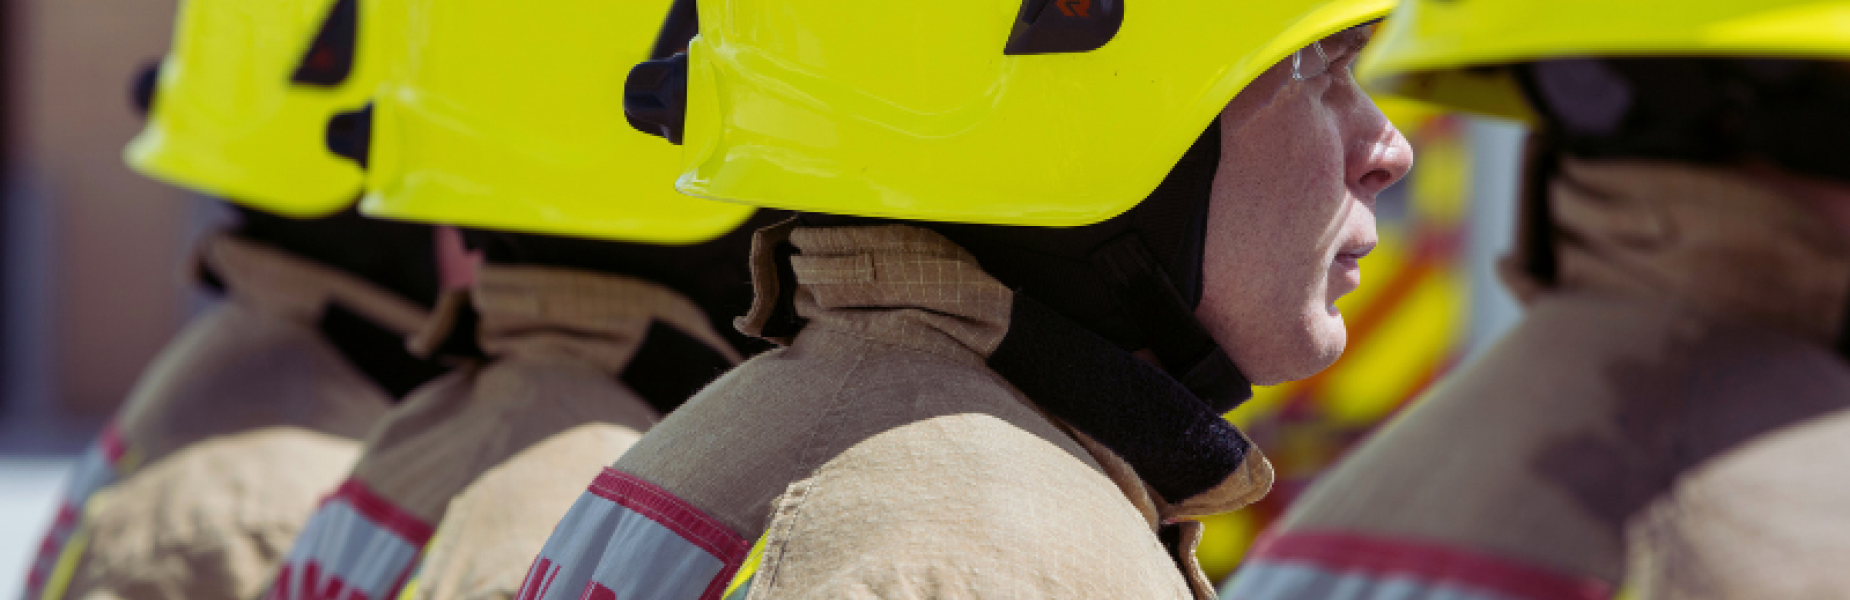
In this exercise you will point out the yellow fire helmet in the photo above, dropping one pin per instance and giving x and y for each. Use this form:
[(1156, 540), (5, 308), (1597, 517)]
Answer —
[(512, 119), (243, 102), (1438, 50), (1031, 112)]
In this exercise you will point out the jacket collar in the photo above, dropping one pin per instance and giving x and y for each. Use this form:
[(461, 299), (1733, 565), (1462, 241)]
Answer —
[(600, 318), (282, 283), (913, 288), (1717, 241)]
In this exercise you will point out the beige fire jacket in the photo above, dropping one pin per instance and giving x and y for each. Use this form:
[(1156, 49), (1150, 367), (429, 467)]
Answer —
[(878, 456), (1670, 413), (488, 458), (202, 475)]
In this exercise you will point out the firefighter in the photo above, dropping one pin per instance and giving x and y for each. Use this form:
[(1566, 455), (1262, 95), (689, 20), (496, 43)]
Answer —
[(218, 454), (1667, 413), (1044, 246), (603, 303)]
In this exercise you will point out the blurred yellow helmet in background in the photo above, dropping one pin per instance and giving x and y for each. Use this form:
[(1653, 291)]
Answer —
[(1035, 112), (1439, 50), (510, 117), (243, 100)]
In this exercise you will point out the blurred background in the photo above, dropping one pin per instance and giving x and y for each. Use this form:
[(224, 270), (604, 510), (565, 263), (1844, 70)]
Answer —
[(91, 254), (92, 258)]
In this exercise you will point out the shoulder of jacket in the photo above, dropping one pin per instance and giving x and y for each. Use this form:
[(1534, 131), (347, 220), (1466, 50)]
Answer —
[(951, 496), (987, 513), (265, 481)]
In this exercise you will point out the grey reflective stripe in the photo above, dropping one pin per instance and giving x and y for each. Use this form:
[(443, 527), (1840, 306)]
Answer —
[(564, 566), (626, 539), (1287, 581), (341, 552), (93, 471), (648, 561)]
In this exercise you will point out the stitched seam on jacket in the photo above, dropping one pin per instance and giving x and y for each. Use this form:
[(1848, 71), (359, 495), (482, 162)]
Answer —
[(860, 333), (789, 505)]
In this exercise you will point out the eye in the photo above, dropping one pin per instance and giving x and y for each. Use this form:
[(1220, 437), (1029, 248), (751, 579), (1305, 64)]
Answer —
[(1310, 62), (1334, 54), (1347, 46)]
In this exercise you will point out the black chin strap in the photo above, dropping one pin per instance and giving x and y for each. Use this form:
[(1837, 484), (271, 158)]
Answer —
[(1153, 417), (669, 366), (1175, 335), (377, 352), (1177, 442)]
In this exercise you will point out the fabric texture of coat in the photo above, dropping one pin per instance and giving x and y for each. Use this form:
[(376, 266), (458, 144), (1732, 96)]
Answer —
[(877, 455), (195, 488), (1664, 416), (461, 483)]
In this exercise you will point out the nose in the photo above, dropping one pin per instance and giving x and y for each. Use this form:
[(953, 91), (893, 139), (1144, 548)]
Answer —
[(1382, 155)]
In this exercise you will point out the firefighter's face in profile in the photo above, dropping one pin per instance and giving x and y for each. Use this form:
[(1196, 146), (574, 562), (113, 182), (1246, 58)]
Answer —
[(1303, 154)]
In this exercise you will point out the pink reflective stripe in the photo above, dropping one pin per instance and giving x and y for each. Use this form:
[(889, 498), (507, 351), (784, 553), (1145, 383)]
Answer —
[(112, 444), (1425, 562), (597, 591), (539, 579), (678, 516), (382, 512), (62, 528), (96, 469)]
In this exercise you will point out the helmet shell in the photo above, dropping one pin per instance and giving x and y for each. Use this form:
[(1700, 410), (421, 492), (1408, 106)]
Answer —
[(914, 111), (229, 119), (1434, 50), (510, 117)]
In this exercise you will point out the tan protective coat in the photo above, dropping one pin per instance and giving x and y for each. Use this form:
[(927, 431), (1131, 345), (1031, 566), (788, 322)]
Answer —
[(233, 433), (495, 454), (1676, 383), (880, 457)]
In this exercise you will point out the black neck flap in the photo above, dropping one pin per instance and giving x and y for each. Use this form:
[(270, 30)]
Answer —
[(1177, 443), (715, 275), (668, 368), (1176, 440), (398, 257), (1186, 350), (1134, 279), (377, 352)]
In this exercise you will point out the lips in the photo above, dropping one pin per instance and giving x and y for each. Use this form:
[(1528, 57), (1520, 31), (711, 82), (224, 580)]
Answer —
[(1352, 254)]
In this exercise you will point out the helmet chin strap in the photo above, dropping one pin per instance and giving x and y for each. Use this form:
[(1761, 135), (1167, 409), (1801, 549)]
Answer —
[(1182, 345), (1175, 439), (1133, 280)]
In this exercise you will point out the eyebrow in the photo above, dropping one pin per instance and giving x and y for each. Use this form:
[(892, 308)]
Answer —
[(1354, 38)]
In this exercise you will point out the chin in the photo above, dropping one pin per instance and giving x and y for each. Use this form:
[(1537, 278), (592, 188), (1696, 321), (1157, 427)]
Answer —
[(1298, 355)]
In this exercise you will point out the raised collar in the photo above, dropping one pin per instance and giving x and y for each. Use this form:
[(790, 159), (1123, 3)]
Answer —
[(1712, 239), (913, 288), (896, 284), (281, 283), (599, 318)]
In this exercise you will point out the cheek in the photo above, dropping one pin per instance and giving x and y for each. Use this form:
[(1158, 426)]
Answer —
[(1273, 224), (1276, 207)]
